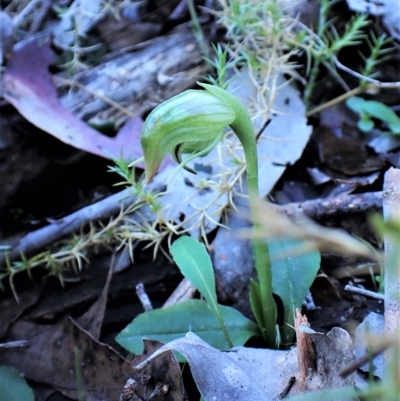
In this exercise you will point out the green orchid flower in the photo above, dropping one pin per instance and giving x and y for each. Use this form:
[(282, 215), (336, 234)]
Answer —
[(193, 123)]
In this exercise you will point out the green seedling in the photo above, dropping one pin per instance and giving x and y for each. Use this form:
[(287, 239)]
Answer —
[(369, 109)]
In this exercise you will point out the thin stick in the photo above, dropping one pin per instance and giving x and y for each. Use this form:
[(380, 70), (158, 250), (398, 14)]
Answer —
[(363, 291)]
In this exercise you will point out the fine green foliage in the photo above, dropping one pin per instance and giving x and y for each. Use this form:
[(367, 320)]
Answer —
[(368, 109), (221, 66), (323, 46), (175, 321), (195, 264), (379, 50), (13, 386), (292, 276)]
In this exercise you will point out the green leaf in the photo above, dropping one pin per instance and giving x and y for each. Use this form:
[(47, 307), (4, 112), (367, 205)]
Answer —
[(195, 264), (383, 113), (13, 386), (256, 304), (365, 124), (174, 322), (355, 104), (292, 276)]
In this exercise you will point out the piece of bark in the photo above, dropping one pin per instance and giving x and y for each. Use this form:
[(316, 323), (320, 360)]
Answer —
[(305, 350), (342, 205), (157, 70), (391, 212), (322, 357)]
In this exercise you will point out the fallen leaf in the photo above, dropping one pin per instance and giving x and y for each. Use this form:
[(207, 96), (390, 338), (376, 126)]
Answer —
[(10, 308), (262, 374), (29, 87), (50, 359), (163, 372), (244, 374), (92, 320)]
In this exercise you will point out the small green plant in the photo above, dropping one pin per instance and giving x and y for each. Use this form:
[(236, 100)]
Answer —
[(221, 66), (221, 326), (379, 49), (326, 43), (79, 49), (193, 122), (369, 109), (323, 46)]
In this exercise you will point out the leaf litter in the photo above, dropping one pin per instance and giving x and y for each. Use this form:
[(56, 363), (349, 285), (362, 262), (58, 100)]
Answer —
[(208, 218), (60, 353)]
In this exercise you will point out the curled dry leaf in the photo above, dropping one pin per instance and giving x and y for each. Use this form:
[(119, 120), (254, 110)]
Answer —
[(262, 374)]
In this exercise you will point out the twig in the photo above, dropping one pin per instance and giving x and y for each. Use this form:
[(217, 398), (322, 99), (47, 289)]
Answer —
[(30, 7), (334, 101), (183, 292), (305, 350), (47, 235), (374, 352), (315, 209), (363, 291), (287, 389), (143, 297), (14, 344), (319, 209), (98, 95), (40, 16), (373, 83)]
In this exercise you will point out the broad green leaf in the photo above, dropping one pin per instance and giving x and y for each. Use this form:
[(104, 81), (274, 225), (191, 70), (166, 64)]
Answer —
[(292, 275), (174, 322), (13, 386), (195, 264)]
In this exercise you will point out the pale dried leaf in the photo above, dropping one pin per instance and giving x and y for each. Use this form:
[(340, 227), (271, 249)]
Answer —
[(388, 9)]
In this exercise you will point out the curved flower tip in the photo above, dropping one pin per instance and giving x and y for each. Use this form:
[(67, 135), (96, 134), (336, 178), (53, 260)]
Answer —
[(191, 122)]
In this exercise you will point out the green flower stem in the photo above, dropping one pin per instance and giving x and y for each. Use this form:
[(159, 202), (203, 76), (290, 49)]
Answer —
[(243, 128)]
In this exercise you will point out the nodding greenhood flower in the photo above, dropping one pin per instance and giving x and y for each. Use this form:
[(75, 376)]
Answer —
[(193, 123)]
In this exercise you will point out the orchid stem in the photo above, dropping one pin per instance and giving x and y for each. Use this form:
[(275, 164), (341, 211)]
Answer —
[(243, 128)]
